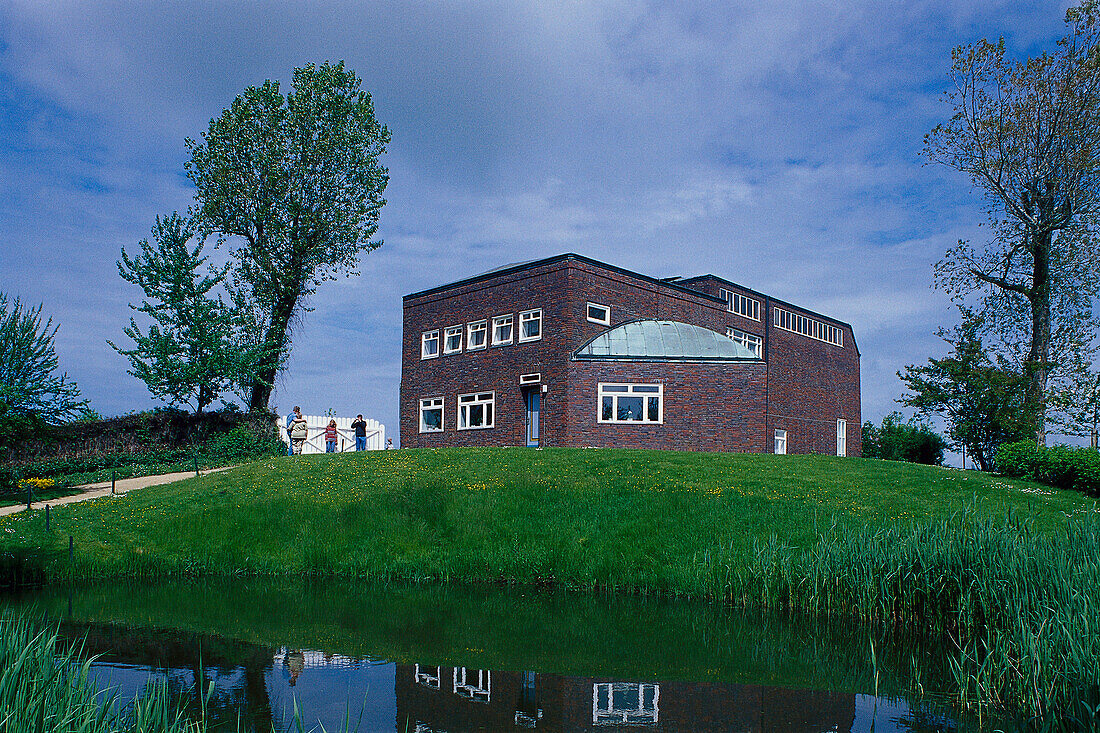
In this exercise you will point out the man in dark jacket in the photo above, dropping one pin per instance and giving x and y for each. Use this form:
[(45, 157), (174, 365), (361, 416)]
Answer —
[(360, 428)]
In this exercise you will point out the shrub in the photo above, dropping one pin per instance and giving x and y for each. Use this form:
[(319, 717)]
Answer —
[(1019, 460), (899, 440), (1060, 466), (8, 482), (241, 443), (155, 442)]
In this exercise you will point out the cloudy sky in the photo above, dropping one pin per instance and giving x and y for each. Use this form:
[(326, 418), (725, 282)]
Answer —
[(775, 144)]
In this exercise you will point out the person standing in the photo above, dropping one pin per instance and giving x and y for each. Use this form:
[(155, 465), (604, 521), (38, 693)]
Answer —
[(360, 428), (299, 431), (289, 421), (330, 437)]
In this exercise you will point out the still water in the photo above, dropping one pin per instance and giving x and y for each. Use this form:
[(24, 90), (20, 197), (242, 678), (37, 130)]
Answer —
[(401, 658)]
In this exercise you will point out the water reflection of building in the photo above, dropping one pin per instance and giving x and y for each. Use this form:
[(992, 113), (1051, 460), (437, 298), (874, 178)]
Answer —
[(433, 698)]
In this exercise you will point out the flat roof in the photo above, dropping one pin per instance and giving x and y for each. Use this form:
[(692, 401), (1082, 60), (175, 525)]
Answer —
[(521, 266)]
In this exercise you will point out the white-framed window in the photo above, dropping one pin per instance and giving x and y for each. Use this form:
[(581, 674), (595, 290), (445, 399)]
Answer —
[(750, 341), (599, 314), (781, 442), (530, 325), (452, 339), (473, 684), (476, 410), (742, 305), (502, 330), (631, 403), (476, 335), (625, 703), (806, 326), (431, 415), (842, 437), (424, 676), (429, 344)]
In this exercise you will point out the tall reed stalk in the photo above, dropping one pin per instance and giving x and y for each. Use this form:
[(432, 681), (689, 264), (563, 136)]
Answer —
[(44, 689), (1020, 608)]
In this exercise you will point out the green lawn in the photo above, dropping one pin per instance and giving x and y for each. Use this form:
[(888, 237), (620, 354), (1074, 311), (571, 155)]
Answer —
[(642, 519), (1009, 571)]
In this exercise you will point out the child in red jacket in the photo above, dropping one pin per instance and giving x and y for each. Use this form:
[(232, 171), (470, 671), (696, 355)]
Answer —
[(330, 437)]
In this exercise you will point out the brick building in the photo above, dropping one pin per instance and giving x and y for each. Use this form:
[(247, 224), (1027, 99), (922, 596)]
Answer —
[(569, 351)]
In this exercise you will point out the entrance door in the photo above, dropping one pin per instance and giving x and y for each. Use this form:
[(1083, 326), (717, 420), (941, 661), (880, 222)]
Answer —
[(532, 398)]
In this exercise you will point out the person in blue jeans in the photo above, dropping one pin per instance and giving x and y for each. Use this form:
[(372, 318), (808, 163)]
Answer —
[(330, 437), (289, 419), (360, 428)]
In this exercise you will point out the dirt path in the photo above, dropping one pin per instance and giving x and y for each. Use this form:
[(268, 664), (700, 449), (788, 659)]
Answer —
[(103, 488)]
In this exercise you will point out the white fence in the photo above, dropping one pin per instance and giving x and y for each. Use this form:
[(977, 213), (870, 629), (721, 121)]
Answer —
[(345, 436)]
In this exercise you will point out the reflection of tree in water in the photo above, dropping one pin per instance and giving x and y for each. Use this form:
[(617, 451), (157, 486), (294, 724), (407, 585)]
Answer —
[(920, 720), (237, 669)]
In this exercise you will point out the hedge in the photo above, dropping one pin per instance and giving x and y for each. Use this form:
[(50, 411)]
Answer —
[(1060, 465), (145, 443)]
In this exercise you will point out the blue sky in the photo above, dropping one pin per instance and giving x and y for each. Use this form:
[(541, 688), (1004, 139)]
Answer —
[(775, 144)]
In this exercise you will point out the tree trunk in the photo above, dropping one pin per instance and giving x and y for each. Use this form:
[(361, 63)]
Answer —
[(274, 345), (1038, 357)]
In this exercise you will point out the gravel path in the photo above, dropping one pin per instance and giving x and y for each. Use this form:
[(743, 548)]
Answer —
[(103, 488)]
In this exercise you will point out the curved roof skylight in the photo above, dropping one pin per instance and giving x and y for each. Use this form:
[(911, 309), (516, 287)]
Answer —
[(658, 340)]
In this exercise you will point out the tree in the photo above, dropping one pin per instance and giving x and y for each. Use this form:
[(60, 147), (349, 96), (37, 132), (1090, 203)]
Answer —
[(983, 402), (1027, 133), (902, 440), (1077, 404), (196, 348), (30, 389), (297, 178)]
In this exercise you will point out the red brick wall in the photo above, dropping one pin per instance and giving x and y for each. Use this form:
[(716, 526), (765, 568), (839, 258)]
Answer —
[(713, 407), (562, 290), (803, 388), (495, 368), (811, 384)]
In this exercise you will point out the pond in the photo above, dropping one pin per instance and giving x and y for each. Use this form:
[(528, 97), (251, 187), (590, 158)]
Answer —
[(431, 658)]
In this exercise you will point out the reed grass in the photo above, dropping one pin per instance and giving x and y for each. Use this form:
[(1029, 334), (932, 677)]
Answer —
[(1020, 608), (46, 687)]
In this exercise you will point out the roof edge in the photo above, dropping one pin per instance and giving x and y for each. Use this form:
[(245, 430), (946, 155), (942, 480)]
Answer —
[(774, 299), (553, 260)]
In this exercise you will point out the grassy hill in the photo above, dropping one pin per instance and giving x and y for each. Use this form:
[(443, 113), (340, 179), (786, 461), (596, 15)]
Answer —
[(1009, 571), (640, 519)]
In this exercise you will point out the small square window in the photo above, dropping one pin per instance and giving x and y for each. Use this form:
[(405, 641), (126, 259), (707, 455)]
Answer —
[(476, 332), (431, 415), (530, 325), (599, 314), (502, 330), (429, 344), (452, 340)]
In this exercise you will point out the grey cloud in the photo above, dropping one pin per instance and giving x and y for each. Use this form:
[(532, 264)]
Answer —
[(773, 143)]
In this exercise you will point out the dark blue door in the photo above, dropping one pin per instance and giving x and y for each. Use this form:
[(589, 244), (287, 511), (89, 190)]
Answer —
[(532, 399)]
